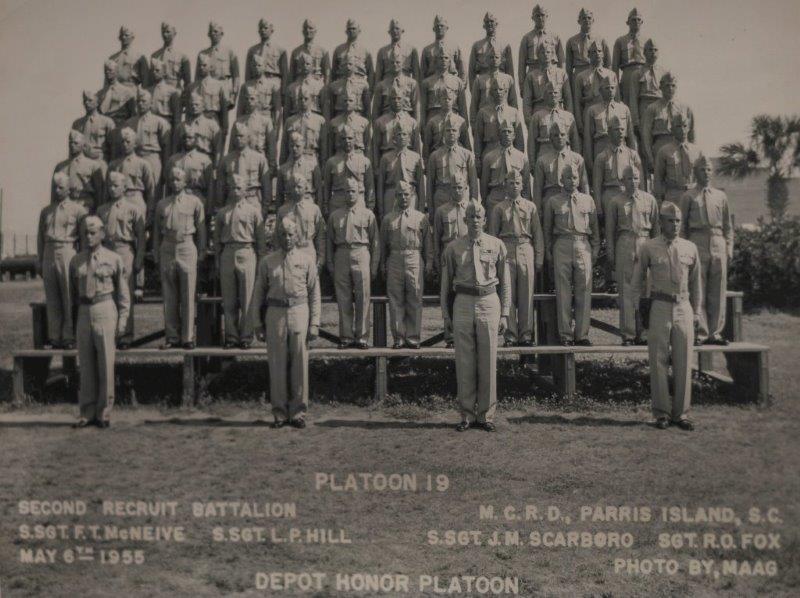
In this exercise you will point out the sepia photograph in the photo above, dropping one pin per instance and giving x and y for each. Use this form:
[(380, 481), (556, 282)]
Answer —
[(420, 298)]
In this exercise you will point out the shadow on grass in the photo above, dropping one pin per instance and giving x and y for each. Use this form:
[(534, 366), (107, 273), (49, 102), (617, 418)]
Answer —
[(575, 421), (36, 424), (207, 422)]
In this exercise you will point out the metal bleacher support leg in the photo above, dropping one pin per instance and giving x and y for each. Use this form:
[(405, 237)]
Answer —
[(209, 332), (379, 339), (189, 392), (750, 373), (563, 366), (548, 334)]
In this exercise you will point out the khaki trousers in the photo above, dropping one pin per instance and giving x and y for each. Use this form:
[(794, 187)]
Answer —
[(713, 253), (404, 287), (287, 355), (351, 279), (671, 334), (625, 252), (520, 266), (178, 267), (97, 326), (475, 324), (125, 251), (572, 258), (58, 301), (237, 279)]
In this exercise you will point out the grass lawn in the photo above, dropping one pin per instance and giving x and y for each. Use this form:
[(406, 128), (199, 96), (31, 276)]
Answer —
[(596, 450)]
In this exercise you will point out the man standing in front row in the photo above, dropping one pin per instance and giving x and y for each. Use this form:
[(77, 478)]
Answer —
[(572, 241), (406, 250), (676, 303), (352, 256), (473, 268), (98, 282), (709, 225), (287, 279)]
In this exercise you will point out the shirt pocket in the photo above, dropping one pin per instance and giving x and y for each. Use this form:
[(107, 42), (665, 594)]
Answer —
[(104, 278), (488, 261), (186, 219), (600, 124), (661, 124)]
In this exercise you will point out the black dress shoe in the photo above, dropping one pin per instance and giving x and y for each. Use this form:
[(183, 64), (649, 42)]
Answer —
[(279, 423), (717, 340), (488, 426), (361, 345), (102, 424), (565, 342), (508, 343), (698, 342), (462, 427), (626, 342), (412, 344), (662, 423), (639, 341), (449, 345), (398, 345), (526, 343), (124, 345), (188, 345), (298, 423), (584, 342), (685, 424), (345, 344), (168, 345), (245, 344), (229, 345), (68, 346), (83, 423), (49, 346)]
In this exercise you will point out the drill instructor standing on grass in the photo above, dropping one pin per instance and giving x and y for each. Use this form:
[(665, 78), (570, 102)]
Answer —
[(99, 285), (474, 268), (675, 307)]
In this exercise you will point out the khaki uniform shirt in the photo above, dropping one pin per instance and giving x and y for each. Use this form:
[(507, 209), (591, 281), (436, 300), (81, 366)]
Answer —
[(85, 173), (361, 127), (449, 223), (481, 92), (628, 50), (223, 65), (533, 91), (314, 130), (636, 214), (166, 101), (199, 172), (117, 101), (429, 94), (433, 137), (706, 208), (216, 96), (674, 167), (320, 60), (674, 270), (577, 51), (251, 165), (292, 275), (275, 62), (351, 227), (477, 264), (364, 65), (381, 103), (264, 136), (132, 67), (341, 167), (59, 221), (268, 95), (305, 167), (447, 163), (428, 59), (139, 172), (179, 216), (153, 133), (487, 126), (385, 127), (100, 272), (610, 165), (571, 214), (97, 129), (207, 134), (240, 222), (177, 69), (517, 219), (315, 85), (479, 53), (407, 230), (124, 221), (409, 60), (498, 162), (310, 225), (548, 169), (657, 120), (529, 49)]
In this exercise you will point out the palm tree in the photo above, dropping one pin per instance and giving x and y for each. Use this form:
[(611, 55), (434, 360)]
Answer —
[(774, 143)]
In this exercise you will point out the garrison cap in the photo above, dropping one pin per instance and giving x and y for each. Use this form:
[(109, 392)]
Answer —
[(513, 175), (489, 17), (585, 13), (240, 128), (237, 180), (538, 10), (76, 136), (352, 23), (309, 23), (679, 120), (634, 14), (167, 26), (449, 122), (702, 162), (497, 83), (110, 64), (353, 183), (395, 23), (395, 92), (215, 25), (264, 23), (650, 44), (558, 126), (403, 186), (125, 30), (288, 224), (670, 209), (474, 208), (143, 93), (615, 122), (569, 171), (297, 182), (89, 94), (93, 223), (549, 87), (668, 77), (439, 20), (505, 125), (156, 63), (127, 132), (61, 177), (595, 47), (629, 171)]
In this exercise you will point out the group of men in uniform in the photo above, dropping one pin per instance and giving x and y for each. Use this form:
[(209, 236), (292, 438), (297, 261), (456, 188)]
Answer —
[(361, 167)]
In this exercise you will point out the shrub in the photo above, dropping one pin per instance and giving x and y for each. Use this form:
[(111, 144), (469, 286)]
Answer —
[(766, 264)]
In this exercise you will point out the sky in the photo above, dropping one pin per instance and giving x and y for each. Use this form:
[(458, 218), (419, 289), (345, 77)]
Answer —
[(733, 60)]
